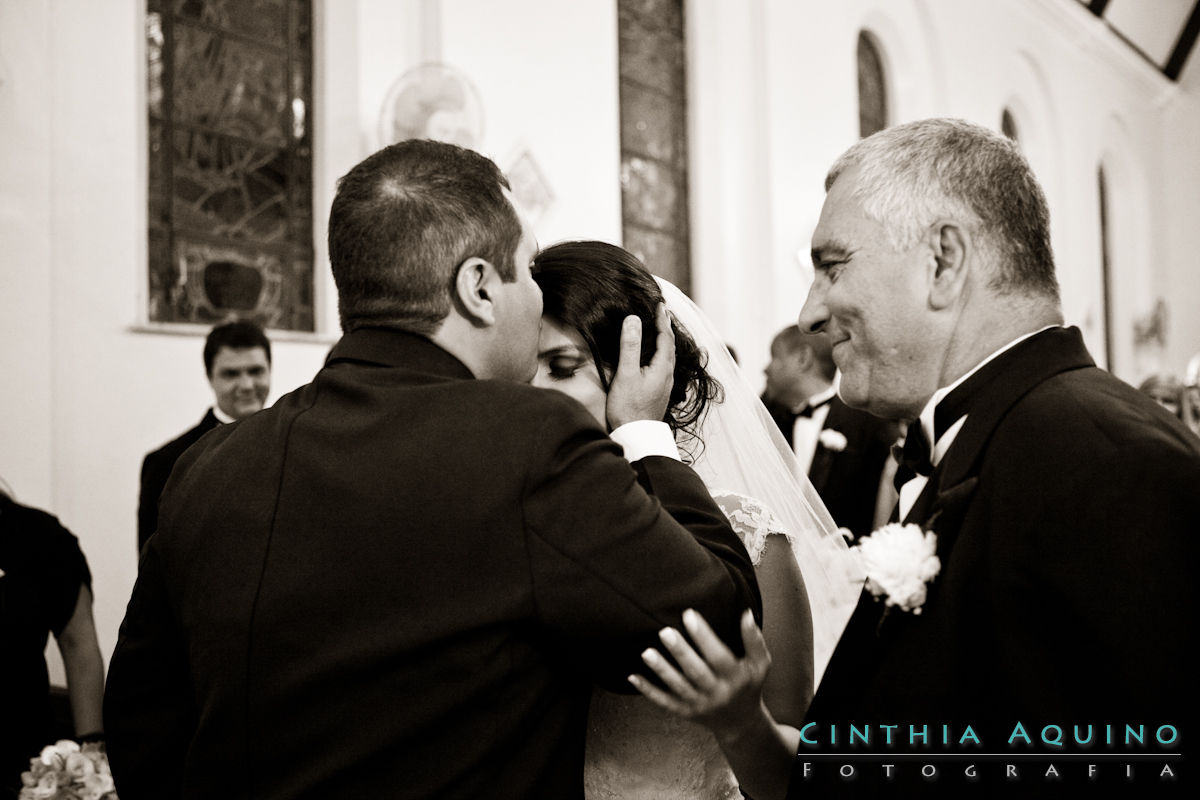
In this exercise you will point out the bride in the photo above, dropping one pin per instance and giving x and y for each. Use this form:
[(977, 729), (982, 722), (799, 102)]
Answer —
[(807, 577)]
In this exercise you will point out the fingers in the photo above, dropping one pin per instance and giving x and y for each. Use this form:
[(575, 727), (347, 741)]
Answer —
[(756, 646), (659, 697), (697, 671), (664, 343), (714, 650), (629, 358)]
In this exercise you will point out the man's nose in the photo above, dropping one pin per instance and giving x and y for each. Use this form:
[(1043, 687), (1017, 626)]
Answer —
[(245, 381), (814, 314)]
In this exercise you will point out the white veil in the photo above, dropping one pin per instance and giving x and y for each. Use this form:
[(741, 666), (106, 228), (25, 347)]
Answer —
[(743, 451)]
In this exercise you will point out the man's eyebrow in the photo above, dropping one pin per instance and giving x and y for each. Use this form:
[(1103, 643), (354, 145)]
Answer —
[(830, 251)]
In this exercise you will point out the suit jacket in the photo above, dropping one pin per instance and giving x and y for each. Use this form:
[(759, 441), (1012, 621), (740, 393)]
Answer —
[(1066, 517), (156, 468), (402, 582), (848, 479)]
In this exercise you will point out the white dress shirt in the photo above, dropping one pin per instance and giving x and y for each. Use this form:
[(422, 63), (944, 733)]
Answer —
[(646, 437), (806, 431)]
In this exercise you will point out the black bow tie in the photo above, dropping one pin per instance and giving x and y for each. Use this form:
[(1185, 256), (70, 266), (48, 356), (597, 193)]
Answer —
[(810, 408), (914, 458)]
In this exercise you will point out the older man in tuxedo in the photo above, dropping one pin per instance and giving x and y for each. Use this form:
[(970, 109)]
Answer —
[(403, 579), (1060, 502)]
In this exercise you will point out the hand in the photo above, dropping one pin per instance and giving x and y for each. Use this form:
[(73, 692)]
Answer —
[(638, 392), (718, 690)]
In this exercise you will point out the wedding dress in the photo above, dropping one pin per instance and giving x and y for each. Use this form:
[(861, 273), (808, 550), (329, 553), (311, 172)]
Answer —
[(637, 751)]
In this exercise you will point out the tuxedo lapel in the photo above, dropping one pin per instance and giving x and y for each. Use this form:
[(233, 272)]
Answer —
[(838, 419), (1008, 378), (942, 505)]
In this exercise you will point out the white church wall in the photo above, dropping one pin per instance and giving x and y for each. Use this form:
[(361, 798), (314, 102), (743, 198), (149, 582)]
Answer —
[(1078, 94)]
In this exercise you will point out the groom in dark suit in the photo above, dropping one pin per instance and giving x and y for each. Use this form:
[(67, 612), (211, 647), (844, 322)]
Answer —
[(403, 579), (1064, 503)]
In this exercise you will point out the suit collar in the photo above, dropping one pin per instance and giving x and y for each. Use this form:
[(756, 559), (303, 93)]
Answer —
[(1007, 379), (390, 347), (1016, 372)]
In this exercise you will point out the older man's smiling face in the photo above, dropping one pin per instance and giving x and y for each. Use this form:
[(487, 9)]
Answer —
[(873, 301)]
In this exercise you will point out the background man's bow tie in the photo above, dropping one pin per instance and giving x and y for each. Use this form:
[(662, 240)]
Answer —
[(810, 408)]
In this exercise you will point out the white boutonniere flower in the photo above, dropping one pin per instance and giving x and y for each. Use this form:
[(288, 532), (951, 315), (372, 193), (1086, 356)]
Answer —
[(899, 561), (833, 440)]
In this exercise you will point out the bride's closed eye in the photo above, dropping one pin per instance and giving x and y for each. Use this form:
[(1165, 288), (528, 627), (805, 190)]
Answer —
[(564, 368)]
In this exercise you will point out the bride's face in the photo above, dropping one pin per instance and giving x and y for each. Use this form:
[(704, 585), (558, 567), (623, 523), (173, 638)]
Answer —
[(565, 363)]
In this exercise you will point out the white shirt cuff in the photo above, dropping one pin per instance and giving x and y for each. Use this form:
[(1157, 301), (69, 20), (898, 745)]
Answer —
[(646, 437)]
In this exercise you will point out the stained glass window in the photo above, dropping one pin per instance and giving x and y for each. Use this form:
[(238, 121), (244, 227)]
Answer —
[(653, 97), (872, 88), (230, 146)]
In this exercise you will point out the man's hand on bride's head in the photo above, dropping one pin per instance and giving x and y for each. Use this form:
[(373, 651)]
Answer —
[(638, 392)]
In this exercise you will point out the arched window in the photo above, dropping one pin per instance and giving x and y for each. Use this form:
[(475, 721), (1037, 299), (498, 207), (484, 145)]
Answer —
[(872, 87), (1008, 125)]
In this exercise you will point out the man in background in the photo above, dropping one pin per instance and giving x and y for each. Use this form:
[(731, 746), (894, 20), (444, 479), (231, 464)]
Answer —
[(237, 360), (842, 449)]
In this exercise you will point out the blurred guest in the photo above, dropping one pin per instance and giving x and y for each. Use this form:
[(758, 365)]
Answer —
[(45, 588), (1166, 390), (1190, 396), (844, 450), (237, 360)]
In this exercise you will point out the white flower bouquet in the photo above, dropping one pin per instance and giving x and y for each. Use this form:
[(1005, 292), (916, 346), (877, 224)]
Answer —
[(66, 771), (899, 561)]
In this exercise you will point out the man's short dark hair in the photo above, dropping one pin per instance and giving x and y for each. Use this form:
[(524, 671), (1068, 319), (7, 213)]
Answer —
[(403, 220), (793, 339), (240, 335)]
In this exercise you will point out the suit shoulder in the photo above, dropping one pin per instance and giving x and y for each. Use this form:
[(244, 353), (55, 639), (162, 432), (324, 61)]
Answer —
[(1088, 422), (522, 404), (174, 448)]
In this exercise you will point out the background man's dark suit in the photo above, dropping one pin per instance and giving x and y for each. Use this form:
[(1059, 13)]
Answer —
[(847, 480), (156, 468), (407, 586), (1066, 511)]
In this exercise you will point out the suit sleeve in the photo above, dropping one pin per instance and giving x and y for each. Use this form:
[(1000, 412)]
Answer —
[(611, 565), (149, 714), (150, 488)]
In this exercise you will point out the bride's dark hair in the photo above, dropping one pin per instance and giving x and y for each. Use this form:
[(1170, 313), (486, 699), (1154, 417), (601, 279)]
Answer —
[(592, 286)]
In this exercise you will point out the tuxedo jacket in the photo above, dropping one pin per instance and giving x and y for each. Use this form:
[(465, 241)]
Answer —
[(399, 581), (1066, 513), (848, 479), (156, 468)]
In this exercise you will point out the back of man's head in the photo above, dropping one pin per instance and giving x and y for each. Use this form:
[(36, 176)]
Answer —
[(239, 335), (402, 222), (794, 340), (910, 176)]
